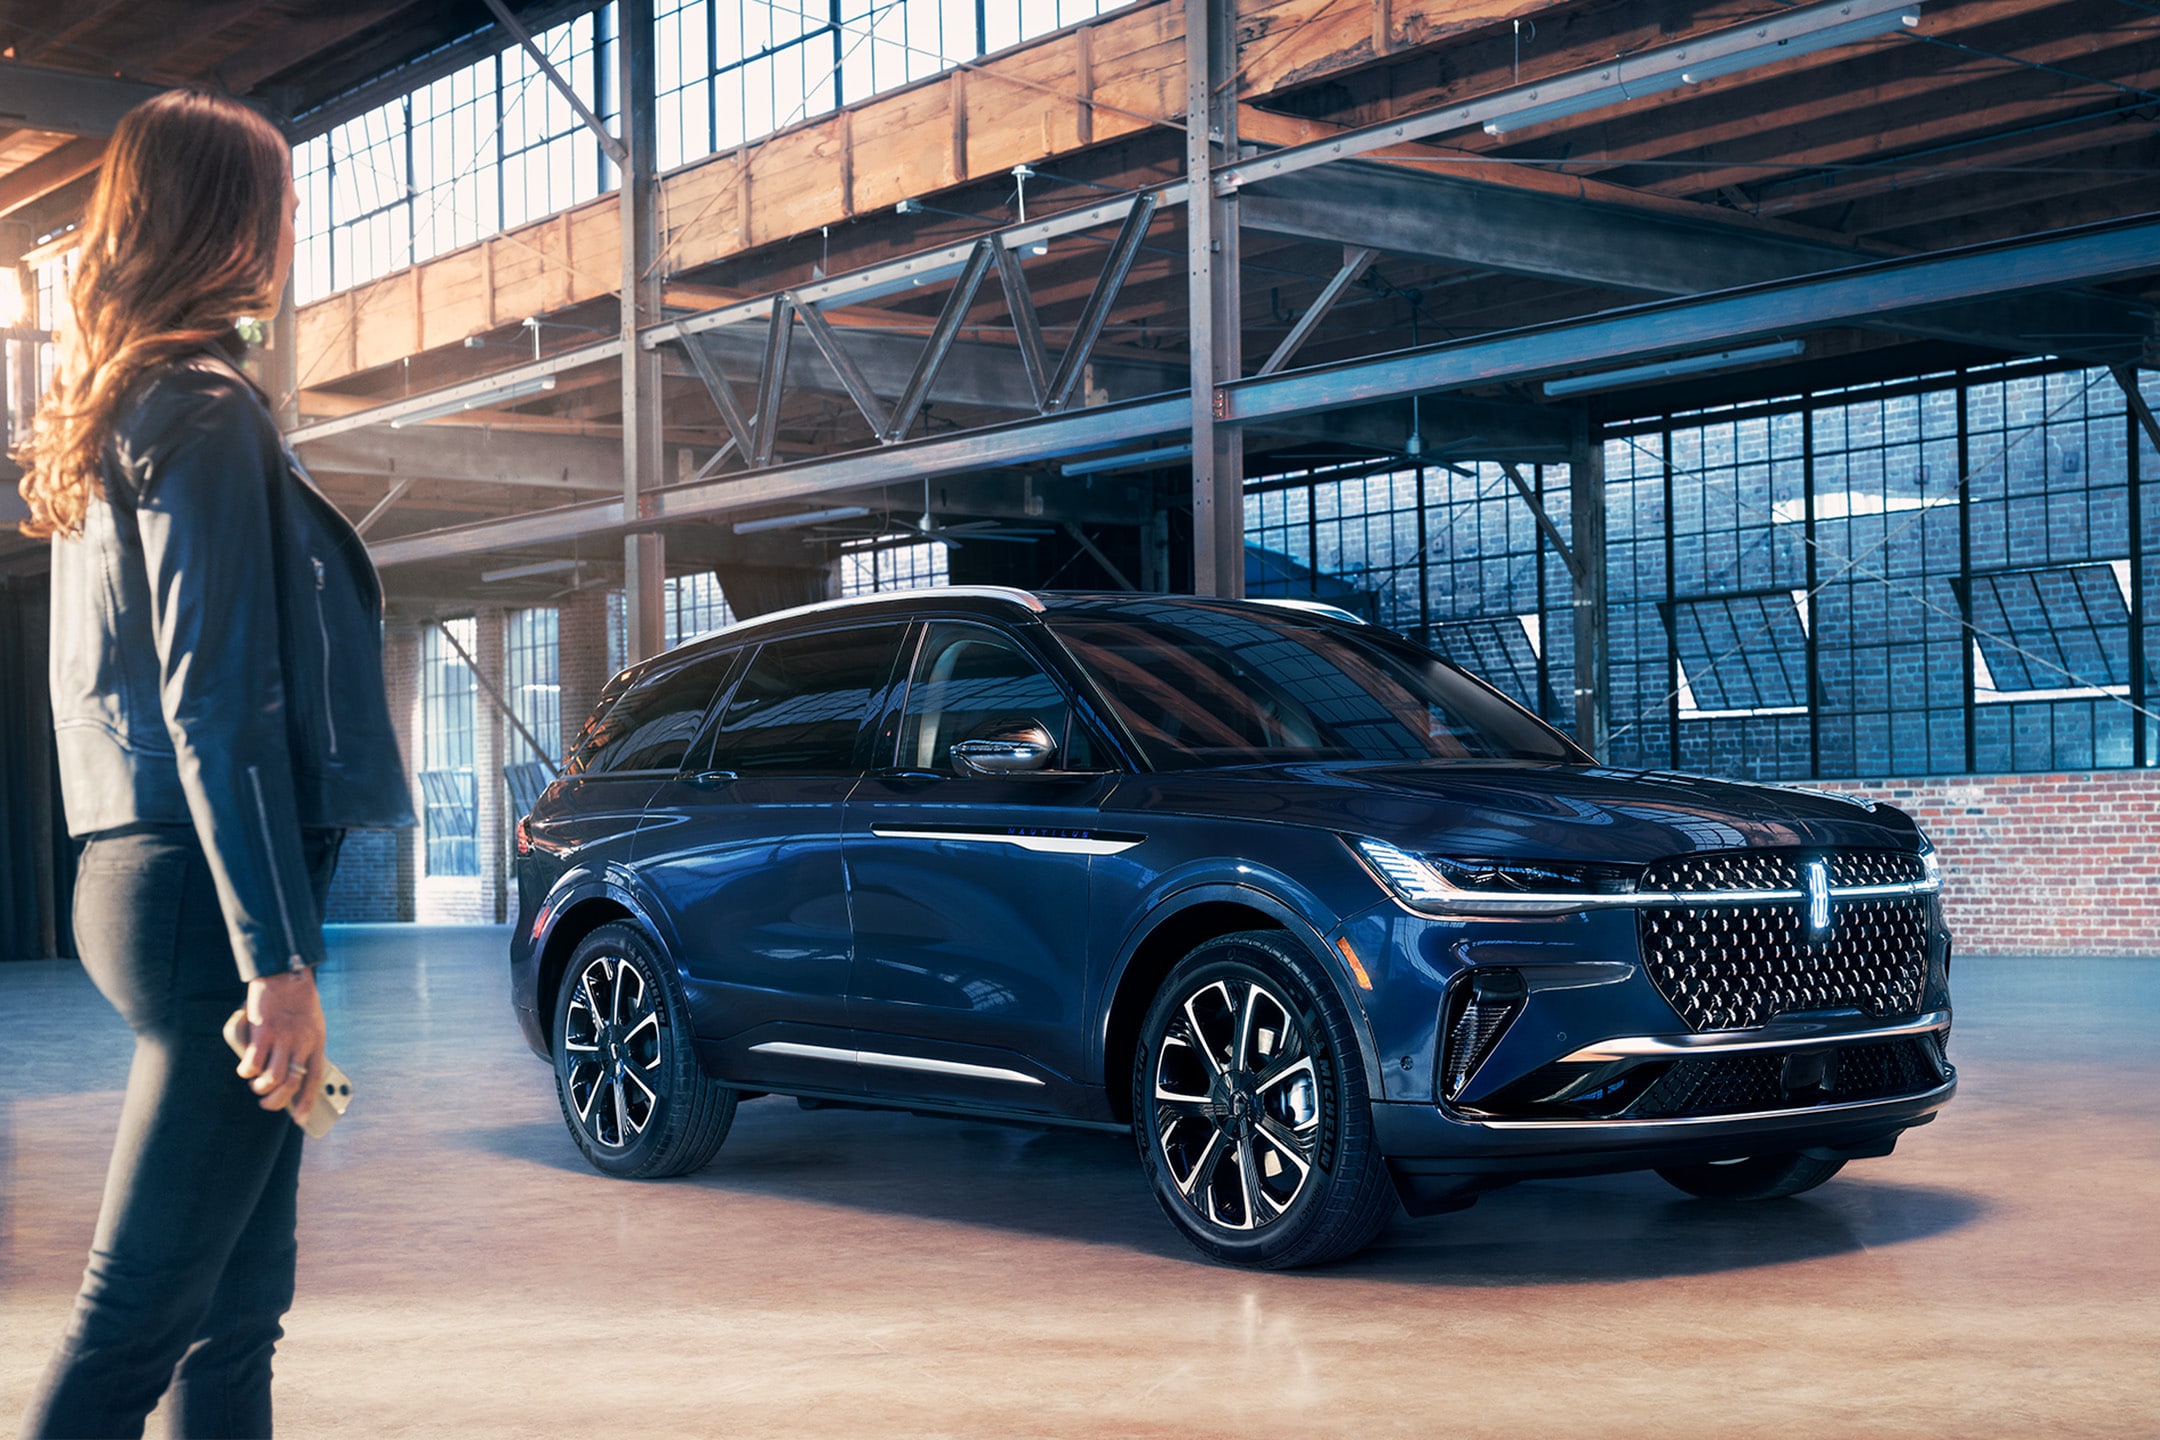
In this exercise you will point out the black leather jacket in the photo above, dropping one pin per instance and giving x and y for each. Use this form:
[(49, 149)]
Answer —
[(217, 655)]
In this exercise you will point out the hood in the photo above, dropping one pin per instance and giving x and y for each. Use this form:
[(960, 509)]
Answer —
[(1522, 810)]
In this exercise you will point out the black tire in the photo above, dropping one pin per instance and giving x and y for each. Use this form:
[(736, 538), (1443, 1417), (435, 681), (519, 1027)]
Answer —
[(1759, 1177), (631, 1091), (1210, 1113)]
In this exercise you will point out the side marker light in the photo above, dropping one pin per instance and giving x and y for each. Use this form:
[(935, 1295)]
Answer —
[(1357, 966)]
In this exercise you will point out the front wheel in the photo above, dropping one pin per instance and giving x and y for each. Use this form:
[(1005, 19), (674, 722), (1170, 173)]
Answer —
[(1758, 1177), (1251, 1110), (636, 1101)]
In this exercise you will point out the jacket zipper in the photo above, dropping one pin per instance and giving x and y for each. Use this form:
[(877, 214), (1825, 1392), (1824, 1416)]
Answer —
[(277, 882), (322, 624)]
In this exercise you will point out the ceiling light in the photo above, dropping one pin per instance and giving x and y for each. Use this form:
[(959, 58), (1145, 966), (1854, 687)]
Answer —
[(1131, 460), (520, 572), (460, 403), (1787, 37), (796, 522), (1668, 369)]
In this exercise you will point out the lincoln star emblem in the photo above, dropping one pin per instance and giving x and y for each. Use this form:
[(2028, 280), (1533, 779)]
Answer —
[(1818, 901)]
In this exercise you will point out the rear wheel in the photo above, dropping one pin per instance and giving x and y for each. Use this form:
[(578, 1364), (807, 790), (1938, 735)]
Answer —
[(631, 1090), (1251, 1110), (1758, 1177)]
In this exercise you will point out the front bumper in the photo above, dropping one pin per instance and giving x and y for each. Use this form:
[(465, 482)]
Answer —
[(1442, 1161)]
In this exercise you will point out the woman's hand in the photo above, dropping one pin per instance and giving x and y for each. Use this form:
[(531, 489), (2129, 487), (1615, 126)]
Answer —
[(284, 1058)]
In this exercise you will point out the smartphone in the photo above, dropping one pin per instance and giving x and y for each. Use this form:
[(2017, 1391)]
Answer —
[(330, 1101)]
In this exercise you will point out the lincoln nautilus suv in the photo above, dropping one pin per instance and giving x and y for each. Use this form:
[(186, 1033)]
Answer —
[(1326, 923)]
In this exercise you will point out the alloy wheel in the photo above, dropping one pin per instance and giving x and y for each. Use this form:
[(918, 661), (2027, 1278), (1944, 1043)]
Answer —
[(1237, 1101), (614, 1049)]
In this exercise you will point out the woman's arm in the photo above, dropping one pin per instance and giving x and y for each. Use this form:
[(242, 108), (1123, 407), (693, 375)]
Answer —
[(198, 456)]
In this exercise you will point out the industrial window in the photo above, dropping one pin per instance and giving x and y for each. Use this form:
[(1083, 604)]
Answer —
[(695, 606), (1741, 656), (489, 146), (494, 145), (531, 655), (1936, 575), (869, 567), (1450, 555), (690, 606), (731, 71), (1502, 651), (447, 704)]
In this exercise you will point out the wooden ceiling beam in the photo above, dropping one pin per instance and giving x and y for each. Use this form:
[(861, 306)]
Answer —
[(1874, 204), (1956, 122), (1866, 83), (49, 172)]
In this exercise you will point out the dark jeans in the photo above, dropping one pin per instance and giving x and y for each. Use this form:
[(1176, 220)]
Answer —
[(192, 1265)]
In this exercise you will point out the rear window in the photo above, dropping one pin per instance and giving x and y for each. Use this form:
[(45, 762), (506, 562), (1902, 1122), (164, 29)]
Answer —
[(649, 724)]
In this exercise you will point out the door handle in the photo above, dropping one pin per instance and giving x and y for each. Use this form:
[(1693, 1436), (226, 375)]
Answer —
[(713, 779)]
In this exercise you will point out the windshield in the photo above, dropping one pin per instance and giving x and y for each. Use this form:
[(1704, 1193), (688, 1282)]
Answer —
[(1201, 686)]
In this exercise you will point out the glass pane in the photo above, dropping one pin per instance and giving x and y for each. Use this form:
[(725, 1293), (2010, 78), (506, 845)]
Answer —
[(969, 681), (799, 707)]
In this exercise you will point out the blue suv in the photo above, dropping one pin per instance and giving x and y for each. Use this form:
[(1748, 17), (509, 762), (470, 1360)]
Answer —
[(1325, 922)]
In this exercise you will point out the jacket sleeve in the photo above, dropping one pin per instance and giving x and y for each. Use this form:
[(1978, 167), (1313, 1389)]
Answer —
[(202, 482)]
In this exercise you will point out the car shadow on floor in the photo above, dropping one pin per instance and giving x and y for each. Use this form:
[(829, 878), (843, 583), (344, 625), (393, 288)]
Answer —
[(1086, 1186)]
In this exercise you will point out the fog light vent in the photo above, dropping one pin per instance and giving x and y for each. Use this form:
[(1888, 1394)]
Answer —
[(1484, 1007)]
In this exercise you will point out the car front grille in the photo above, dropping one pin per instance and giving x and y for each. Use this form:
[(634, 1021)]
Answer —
[(1736, 965), (1745, 1084)]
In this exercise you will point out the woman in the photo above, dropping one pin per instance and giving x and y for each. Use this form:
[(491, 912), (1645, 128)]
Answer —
[(220, 719)]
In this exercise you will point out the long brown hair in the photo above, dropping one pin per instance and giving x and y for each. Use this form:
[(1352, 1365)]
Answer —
[(181, 238)]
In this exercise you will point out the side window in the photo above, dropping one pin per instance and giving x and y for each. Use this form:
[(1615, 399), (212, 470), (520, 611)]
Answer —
[(652, 725), (800, 705), (595, 732), (970, 680)]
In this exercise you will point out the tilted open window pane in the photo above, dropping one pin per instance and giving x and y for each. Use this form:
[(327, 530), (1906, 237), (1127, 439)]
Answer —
[(1742, 654), (2052, 631)]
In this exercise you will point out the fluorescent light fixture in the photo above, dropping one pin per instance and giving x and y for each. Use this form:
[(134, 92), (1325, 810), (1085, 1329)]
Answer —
[(796, 522), (520, 572), (1668, 369), (1786, 37), (1130, 460), (1772, 52), (461, 403)]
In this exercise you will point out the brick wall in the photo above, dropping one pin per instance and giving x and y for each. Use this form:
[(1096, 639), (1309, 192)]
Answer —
[(375, 871), (367, 887), (2041, 864)]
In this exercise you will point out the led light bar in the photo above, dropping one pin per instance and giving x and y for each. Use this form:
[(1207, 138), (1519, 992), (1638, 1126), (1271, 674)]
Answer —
[(1130, 460), (476, 402), (796, 522), (1668, 369)]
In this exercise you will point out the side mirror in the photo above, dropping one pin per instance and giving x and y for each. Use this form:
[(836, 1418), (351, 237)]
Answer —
[(1009, 749)]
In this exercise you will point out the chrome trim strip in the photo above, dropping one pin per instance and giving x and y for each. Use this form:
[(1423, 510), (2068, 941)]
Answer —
[(1041, 844), (884, 1061), (1719, 1042), (1474, 902), (1804, 1112)]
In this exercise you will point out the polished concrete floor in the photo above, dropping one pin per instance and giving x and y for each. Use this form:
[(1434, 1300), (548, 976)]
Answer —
[(849, 1274)]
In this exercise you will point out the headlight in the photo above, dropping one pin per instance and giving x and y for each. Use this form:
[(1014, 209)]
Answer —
[(1438, 882), (1931, 870)]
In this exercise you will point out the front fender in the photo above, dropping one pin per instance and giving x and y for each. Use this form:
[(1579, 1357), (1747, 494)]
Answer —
[(1284, 902)]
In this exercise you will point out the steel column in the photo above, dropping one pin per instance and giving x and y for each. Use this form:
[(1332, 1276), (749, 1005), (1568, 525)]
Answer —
[(1211, 290), (644, 561), (1586, 519)]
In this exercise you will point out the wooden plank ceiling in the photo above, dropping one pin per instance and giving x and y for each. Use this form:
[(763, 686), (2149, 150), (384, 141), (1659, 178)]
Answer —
[(1996, 118)]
